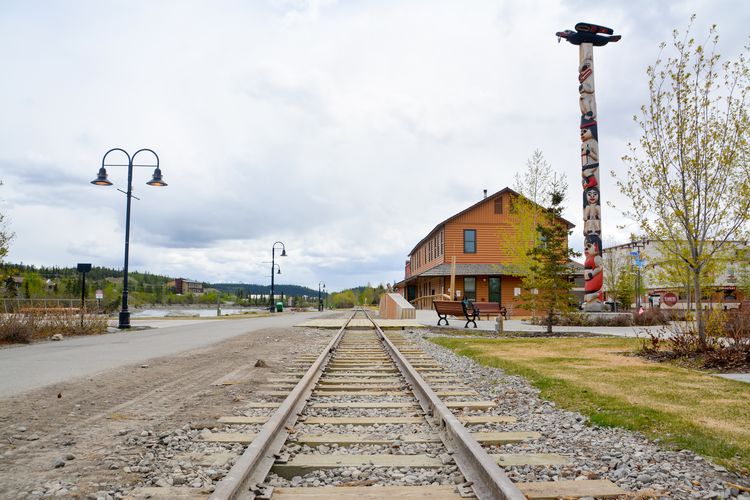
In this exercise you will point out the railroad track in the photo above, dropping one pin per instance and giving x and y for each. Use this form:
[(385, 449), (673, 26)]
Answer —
[(373, 410)]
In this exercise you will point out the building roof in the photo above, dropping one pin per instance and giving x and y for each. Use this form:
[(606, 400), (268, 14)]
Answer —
[(464, 270), (476, 270), (483, 200), (461, 270)]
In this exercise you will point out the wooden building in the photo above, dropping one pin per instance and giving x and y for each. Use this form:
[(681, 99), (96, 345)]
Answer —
[(475, 238), (722, 288)]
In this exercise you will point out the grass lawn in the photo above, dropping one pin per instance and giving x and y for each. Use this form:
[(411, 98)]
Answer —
[(595, 376)]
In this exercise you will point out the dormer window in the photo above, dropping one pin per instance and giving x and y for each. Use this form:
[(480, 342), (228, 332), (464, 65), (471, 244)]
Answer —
[(499, 205)]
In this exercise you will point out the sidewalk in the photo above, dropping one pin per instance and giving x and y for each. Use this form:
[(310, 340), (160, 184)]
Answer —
[(430, 318)]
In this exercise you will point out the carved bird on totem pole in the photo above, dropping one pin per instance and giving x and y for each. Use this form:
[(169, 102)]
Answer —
[(588, 33)]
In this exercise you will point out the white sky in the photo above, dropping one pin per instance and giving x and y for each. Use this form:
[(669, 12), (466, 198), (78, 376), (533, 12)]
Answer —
[(345, 129)]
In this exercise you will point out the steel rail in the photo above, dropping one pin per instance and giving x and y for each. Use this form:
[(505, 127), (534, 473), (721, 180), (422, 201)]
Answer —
[(253, 466), (488, 481)]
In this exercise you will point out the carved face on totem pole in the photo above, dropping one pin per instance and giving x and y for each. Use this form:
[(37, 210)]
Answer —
[(589, 146), (591, 211), (591, 197), (592, 246)]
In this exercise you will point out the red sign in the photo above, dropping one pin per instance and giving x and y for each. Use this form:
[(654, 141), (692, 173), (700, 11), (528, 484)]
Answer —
[(669, 299)]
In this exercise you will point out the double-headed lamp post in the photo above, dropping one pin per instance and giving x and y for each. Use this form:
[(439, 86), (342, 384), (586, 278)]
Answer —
[(320, 299), (273, 265), (101, 180)]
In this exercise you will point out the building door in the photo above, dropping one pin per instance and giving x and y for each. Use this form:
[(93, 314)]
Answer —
[(495, 290), (411, 292)]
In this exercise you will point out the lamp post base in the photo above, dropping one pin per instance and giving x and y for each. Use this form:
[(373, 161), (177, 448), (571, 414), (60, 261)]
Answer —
[(124, 320)]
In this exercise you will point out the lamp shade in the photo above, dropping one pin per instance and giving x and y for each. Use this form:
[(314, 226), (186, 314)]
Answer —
[(157, 179), (283, 252), (101, 178)]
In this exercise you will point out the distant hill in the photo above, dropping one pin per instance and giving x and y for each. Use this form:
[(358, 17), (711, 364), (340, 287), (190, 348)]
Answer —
[(253, 289), (98, 274)]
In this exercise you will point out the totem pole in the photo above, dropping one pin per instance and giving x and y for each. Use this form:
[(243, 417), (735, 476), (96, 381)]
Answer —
[(586, 36)]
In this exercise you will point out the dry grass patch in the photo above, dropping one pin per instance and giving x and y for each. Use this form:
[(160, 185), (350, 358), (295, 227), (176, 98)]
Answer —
[(599, 377)]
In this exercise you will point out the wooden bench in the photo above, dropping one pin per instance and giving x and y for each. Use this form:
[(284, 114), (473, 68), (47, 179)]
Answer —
[(490, 309), (453, 308)]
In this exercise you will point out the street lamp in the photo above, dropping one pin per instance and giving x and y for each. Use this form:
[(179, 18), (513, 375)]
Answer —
[(320, 300), (273, 265), (101, 180)]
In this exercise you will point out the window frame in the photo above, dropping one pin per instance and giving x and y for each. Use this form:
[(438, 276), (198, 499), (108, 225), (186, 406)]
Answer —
[(473, 240), (498, 203)]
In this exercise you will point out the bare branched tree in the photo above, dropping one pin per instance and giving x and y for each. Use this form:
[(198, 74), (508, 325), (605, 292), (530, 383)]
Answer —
[(689, 176)]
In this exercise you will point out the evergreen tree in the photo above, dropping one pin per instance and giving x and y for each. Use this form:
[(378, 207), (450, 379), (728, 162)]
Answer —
[(548, 285)]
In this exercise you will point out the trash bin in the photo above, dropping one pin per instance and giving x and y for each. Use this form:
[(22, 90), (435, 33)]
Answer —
[(279, 307)]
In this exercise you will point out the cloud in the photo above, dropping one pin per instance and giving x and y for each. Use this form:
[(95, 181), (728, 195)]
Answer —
[(348, 130)]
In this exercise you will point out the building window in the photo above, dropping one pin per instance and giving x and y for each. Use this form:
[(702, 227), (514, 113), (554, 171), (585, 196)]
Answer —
[(470, 241), (470, 288), (499, 205)]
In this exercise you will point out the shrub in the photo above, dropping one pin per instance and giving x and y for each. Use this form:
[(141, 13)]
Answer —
[(18, 328), (583, 319), (33, 324), (727, 345), (651, 317)]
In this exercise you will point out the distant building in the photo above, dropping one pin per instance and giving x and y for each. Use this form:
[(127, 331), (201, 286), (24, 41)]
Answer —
[(182, 286), (474, 236), (718, 292)]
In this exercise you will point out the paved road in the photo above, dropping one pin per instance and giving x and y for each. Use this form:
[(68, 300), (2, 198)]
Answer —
[(32, 366)]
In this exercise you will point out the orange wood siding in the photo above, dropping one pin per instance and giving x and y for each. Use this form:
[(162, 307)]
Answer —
[(429, 254), (507, 297), (491, 229)]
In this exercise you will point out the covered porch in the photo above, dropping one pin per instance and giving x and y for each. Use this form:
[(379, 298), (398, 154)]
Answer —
[(477, 282)]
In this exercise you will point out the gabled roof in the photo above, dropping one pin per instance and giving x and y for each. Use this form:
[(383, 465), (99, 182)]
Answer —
[(472, 207), (576, 268)]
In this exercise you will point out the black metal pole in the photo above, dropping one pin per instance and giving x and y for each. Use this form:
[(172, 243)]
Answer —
[(273, 250), (124, 312), (83, 292), (83, 297), (638, 287), (320, 301)]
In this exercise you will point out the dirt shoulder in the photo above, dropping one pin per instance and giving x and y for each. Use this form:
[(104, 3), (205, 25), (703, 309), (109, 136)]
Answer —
[(74, 439)]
